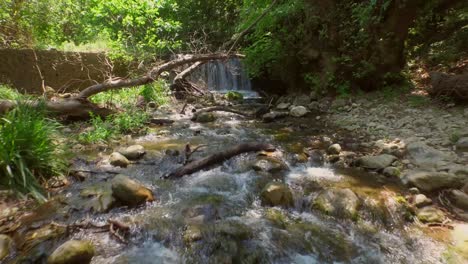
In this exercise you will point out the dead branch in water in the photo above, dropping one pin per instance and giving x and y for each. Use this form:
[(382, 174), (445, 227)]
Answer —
[(219, 157), (218, 109)]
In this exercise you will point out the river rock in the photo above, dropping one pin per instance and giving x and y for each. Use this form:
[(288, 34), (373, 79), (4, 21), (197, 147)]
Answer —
[(270, 117), (424, 155), (5, 246), (462, 144), (269, 164), (334, 149), (133, 152), (72, 252), (420, 200), (337, 202), (298, 111), (430, 215), (119, 160), (130, 192), (392, 172), (428, 181), (459, 199), (460, 239), (98, 197), (283, 106), (379, 162), (277, 194), (205, 117), (302, 100)]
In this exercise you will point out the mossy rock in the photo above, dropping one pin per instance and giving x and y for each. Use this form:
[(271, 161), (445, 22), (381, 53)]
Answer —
[(277, 194), (338, 202), (205, 117), (234, 96), (73, 252), (430, 215)]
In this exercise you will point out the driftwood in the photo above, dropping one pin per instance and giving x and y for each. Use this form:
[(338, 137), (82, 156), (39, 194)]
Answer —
[(218, 158), (161, 121), (455, 86), (218, 109)]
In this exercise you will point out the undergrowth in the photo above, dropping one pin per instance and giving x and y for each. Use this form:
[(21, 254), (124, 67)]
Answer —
[(7, 93), (157, 92), (29, 154), (130, 121)]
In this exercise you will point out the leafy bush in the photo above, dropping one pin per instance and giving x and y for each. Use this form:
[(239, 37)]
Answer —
[(129, 121), (100, 131), (29, 154), (157, 92)]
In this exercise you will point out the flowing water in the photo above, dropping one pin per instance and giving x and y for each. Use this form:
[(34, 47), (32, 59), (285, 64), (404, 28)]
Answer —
[(215, 215), (224, 76)]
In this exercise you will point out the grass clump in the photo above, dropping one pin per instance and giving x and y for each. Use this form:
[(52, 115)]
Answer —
[(130, 121), (157, 92), (7, 93), (29, 155)]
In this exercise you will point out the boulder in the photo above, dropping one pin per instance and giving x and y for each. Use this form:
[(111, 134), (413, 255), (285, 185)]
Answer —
[(133, 152), (283, 106), (118, 160), (459, 199), (269, 164), (298, 111), (98, 197), (270, 117), (430, 215), (462, 143), (314, 106), (302, 100), (420, 200), (428, 181), (277, 194), (425, 156), (130, 192), (72, 252), (5, 246), (337, 202), (391, 172), (205, 117), (379, 162), (334, 149)]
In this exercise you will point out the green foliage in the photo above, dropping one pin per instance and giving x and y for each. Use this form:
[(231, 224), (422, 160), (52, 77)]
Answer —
[(100, 131), (129, 121), (157, 92), (29, 154), (234, 96), (7, 93), (127, 98)]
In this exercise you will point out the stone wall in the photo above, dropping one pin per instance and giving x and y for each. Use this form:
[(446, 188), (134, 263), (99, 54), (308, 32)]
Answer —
[(63, 71)]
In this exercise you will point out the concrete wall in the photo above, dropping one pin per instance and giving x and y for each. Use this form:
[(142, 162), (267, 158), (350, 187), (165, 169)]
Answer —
[(63, 71)]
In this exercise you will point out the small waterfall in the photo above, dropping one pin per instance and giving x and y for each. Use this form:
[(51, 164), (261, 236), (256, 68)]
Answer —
[(223, 76)]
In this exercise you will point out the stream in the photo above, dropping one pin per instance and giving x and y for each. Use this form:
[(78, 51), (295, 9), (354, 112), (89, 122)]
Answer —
[(216, 215)]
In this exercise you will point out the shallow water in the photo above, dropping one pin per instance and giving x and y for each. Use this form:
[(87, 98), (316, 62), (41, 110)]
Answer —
[(215, 216)]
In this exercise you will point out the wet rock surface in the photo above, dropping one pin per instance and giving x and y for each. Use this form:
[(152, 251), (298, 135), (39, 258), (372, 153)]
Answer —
[(277, 194), (6, 244), (337, 202), (118, 160), (130, 192), (72, 252)]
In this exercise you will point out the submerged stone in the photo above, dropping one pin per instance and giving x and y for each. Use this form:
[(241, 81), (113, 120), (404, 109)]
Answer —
[(277, 194), (73, 252), (298, 111), (130, 192)]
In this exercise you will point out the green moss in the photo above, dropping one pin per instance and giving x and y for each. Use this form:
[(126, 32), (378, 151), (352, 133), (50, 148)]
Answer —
[(234, 96)]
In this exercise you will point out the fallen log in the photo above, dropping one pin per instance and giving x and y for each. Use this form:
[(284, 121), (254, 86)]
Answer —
[(216, 158), (218, 109)]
